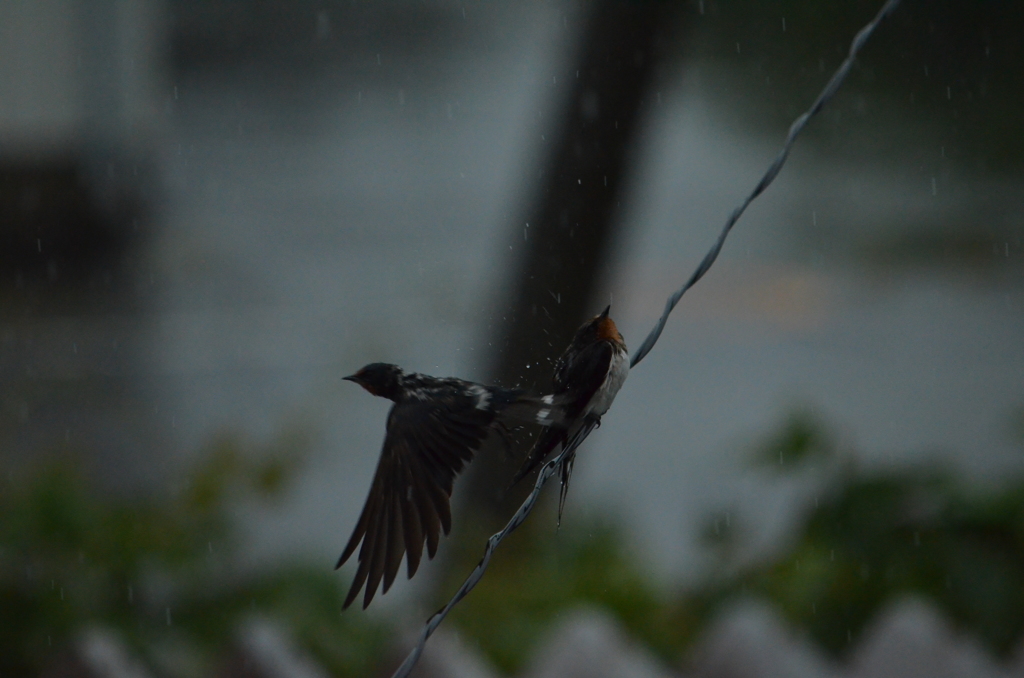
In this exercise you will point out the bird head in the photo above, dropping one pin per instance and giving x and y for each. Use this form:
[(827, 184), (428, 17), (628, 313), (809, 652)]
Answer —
[(601, 326), (380, 379)]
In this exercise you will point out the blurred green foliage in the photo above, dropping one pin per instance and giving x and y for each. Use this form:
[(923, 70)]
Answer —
[(871, 537), (538, 573), (874, 536), (164, 571)]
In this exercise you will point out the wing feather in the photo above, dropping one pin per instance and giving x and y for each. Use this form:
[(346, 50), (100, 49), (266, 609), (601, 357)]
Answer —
[(412, 523), (377, 554), (428, 442), (395, 543)]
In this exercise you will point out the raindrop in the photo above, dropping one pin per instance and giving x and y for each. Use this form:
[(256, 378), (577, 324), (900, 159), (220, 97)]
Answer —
[(175, 92), (168, 615), (814, 218), (39, 244), (359, 97), (62, 593), (917, 538), (323, 25), (131, 595), (209, 546), (579, 181), (783, 24), (737, 48), (942, 151), (401, 97), (949, 92), (74, 347), (554, 80), (935, 190), (658, 95), (606, 180), (378, 59), (463, 12), (701, 6), (926, 71)]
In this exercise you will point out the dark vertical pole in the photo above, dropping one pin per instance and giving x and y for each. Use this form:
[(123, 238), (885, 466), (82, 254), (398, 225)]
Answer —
[(573, 215)]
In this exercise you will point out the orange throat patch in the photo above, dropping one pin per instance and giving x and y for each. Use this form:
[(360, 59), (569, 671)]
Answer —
[(606, 329)]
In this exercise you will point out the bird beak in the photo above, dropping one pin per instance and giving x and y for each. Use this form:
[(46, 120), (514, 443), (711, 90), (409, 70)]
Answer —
[(351, 377), (604, 313)]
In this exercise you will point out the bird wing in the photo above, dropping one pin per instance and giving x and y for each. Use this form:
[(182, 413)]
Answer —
[(428, 443), (577, 378)]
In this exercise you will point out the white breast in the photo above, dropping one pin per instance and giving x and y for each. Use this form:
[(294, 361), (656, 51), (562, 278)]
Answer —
[(602, 400)]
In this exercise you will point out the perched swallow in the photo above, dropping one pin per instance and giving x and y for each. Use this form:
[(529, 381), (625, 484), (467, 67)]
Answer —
[(587, 376), (433, 430)]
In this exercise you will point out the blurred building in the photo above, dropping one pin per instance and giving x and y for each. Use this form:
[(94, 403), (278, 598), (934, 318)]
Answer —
[(82, 85)]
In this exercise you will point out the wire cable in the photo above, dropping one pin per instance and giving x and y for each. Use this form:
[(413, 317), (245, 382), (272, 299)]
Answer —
[(552, 466)]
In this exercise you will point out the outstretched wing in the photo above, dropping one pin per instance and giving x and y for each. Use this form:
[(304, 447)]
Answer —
[(429, 440), (428, 443)]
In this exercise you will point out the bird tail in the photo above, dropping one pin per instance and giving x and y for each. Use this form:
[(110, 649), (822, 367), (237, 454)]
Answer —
[(525, 408)]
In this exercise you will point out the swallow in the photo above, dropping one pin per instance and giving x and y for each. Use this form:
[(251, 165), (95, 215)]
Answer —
[(433, 430), (587, 376)]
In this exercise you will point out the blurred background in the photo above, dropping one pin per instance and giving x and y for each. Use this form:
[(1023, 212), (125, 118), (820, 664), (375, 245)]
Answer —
[(210, 211)]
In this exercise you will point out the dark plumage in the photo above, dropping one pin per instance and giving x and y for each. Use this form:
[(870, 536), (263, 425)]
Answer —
[(433, 430), (587, 376)]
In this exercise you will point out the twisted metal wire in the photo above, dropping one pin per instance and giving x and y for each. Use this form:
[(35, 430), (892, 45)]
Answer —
[(552, 466)]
